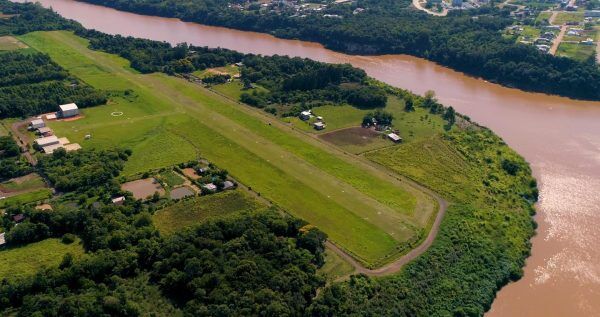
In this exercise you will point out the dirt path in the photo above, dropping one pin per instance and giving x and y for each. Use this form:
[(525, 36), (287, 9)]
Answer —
[(558, 39), (552, 17), (23, 139), (418, 5), (397, 265)]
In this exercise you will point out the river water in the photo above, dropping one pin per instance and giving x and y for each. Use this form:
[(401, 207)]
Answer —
[(558, 136)]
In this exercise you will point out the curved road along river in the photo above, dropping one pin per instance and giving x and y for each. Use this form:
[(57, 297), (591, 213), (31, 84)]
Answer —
[(558, 136)]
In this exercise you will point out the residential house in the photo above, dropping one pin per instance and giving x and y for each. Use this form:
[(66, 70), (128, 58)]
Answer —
[(319, 125)]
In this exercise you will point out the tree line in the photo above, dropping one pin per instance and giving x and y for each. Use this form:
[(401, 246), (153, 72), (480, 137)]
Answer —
[(31, 84)]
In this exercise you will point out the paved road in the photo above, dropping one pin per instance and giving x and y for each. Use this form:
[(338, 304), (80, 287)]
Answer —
[(418, 5), (397, 265)]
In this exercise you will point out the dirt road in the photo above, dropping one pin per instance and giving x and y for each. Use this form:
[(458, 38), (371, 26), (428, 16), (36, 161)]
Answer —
[(558, 39), (23, 139), (418, 5)]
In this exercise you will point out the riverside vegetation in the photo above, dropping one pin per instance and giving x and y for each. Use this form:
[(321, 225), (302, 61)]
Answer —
[(257, 260), (466, 40)]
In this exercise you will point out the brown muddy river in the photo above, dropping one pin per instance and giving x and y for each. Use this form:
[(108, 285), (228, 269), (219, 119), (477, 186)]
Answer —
[(558, 136)]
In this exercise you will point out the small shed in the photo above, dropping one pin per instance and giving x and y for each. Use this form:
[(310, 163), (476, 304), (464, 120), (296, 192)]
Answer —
[(51, 116), (210, 186), (118, 200), (49, 149), (305, 115), (45, 131), (72, 147), (2, 239), (48, 140), (36, 124), (68, 110), (394, 137), (319, 125), (228, 185)]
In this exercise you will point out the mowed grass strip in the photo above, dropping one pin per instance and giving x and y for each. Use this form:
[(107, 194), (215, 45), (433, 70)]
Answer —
[(362, 212), (197, 210), (27, 260)]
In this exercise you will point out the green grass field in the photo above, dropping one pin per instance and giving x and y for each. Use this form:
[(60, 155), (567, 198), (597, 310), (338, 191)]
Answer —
[(194, 211), (564, 17), (171, 178), (28, 259), (543, 16), (28, 182), (26, 198), (576, 51), (167, 120)]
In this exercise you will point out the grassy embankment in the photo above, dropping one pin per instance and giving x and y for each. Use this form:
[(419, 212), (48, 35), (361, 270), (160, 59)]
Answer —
[(166, 120), (27, 260), (483, 239)]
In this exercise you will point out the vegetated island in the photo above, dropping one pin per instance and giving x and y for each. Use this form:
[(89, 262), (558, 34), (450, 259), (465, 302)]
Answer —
[(470, 41), (159, 196)]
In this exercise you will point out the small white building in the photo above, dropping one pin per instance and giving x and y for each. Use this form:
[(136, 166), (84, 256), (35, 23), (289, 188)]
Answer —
[(48, 140), (228, 185), (36, 124), (394, 137), (2, 239), (319, 125), (118, 200), (305, 115), (68, 110), (51, 117), (210, 186)]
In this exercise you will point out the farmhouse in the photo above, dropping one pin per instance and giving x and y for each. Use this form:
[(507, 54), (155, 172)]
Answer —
[(394, 137), (45, 131), (68, 110), (36, 124)]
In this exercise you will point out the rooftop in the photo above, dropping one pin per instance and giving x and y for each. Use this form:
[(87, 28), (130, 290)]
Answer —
[(69, 106), (46, 140)]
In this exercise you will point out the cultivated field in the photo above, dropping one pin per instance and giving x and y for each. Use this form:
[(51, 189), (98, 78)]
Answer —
[(143, 188), (26, 260), (197, 210), (166, 120)]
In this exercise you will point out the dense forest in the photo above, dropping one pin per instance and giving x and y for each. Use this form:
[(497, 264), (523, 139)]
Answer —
[(469, 41), (31, 84), (246, 265), (82, 170)]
